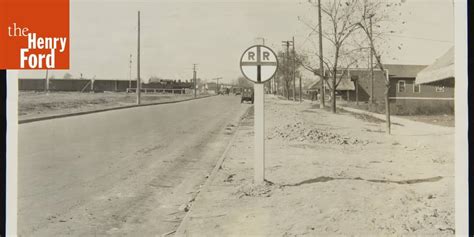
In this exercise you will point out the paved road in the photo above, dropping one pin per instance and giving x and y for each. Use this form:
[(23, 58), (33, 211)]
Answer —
[(121, 172)]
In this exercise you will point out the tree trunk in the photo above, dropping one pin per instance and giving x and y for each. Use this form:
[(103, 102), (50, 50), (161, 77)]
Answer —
[(387, 110), (333, 94), (333, 104)]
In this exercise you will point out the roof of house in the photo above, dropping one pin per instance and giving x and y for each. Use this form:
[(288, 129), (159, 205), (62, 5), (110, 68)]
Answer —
[(441, 69), (403, 71)]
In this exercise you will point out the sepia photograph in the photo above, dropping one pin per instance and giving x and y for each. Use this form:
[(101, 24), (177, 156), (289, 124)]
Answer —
[(241, 118)]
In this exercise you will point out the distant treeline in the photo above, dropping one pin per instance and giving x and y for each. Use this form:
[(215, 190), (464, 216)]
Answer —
[(87, 85)]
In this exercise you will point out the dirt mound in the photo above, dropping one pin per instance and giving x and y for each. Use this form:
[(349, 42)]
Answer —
[(300, 132), (254, 190)]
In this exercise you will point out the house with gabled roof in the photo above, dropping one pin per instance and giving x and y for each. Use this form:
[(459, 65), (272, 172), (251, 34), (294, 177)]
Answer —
[(426, 91), (406, 95), (345, 86)]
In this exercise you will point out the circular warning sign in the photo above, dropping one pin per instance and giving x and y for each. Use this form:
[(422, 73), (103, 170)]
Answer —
[(258, 63)]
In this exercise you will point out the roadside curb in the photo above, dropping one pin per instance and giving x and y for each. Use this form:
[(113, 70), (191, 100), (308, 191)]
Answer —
[(104, 110), (180, 231)]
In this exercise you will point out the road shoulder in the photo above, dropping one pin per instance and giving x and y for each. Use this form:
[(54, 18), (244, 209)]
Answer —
[(400, 184), (105, 108)]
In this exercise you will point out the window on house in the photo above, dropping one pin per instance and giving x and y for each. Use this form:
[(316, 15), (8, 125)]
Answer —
[(439, 88), (401, 86), (416, 88)]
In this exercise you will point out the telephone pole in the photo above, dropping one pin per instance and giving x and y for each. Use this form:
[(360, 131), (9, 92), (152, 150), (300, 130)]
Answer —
[(130, 76), (371, 64), (300, 90), (47, 82), (294, 69), (138, 62), (217, 83), (269, 83), (321, 64), (287, 57), (195, 80)]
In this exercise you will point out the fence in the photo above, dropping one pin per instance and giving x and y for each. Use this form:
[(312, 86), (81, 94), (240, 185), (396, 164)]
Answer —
[(87, 85)]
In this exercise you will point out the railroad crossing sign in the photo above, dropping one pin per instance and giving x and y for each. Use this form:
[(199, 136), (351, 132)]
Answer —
[(258, 63)]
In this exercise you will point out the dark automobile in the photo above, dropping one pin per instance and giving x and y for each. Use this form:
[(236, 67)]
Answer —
[(223, 91), (247, 95), (237, 91)]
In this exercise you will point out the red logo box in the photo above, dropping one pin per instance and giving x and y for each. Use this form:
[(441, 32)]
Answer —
[(34, 34)]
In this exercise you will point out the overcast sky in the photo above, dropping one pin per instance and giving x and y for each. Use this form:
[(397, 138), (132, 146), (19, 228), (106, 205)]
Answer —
[(213, 34)]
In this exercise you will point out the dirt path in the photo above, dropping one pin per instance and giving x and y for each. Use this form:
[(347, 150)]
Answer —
[(331, 174)]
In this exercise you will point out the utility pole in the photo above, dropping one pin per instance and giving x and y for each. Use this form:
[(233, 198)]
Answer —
[(217, 83), (274, 89), (47, 82), (195, 80), (287, 57), (321, 64), (301, 90), (294, 69), (130, 76), (138, 62), (270, 82), (371, 64)]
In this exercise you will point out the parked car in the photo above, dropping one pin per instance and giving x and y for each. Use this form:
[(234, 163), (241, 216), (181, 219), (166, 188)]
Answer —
[(247, 95)]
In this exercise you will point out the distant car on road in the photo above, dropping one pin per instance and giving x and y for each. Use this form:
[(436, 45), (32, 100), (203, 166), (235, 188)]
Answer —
[(247, 95), (223, 91), (237, 91)]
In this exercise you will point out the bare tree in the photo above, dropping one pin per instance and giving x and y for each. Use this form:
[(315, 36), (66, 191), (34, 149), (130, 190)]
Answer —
[(379, 14), (243, 82), (288, 70), (339, 24), (284, 73)]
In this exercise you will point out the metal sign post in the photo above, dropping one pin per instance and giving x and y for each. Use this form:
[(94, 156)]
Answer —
[(259, 64)]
